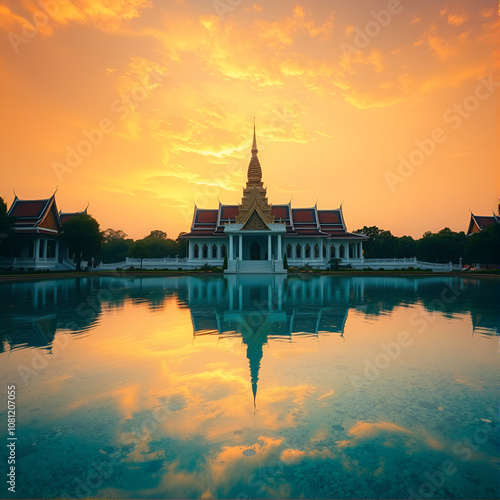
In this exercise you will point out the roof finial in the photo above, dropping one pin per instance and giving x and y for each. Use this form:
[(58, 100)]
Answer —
[(254, 144)]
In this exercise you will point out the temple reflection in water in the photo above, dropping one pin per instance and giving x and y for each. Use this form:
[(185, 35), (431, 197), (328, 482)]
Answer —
[(267, 307), (257, 309), (280, 307)]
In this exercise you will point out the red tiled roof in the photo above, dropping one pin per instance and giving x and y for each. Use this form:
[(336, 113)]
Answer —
[(335, 232), (303, 215), (298, 221), (484, 220), (329, 217), (206, 216), (228, 212), (307, 230), (280, 212), (65, 217), (28, 208)]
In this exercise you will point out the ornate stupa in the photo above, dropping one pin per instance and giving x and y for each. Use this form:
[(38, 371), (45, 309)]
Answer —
[(254, 211)]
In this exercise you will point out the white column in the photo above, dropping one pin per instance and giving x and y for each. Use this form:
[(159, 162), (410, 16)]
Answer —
[(45, 248), (231, 255), (37, 249), (57, 251), (269, 246), (280, 251), (240, 237), (190, 250)]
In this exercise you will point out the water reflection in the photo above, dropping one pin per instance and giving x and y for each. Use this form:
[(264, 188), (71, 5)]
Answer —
[(266, 307), (178, 346)]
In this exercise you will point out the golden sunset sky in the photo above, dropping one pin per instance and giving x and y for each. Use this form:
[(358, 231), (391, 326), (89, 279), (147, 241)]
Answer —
[(144, 107)]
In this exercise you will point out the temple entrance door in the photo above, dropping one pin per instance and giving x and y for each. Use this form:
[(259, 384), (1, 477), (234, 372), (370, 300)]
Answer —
[(254, 251)]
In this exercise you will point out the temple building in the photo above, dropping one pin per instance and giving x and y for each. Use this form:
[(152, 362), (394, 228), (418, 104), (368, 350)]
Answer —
[(479, 222), (38, 226), (256, 235)]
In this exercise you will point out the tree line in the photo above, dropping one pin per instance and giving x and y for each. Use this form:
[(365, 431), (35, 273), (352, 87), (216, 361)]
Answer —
[(443, 246), (116, 246)]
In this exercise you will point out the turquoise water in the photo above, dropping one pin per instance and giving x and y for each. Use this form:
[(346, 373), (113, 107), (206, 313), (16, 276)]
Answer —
[(252, 387)]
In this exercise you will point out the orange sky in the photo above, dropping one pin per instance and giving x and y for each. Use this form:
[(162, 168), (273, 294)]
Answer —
[(341, 92)]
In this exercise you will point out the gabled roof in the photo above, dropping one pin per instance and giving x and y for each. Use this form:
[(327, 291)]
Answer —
[(480, 222), (35, 216), (298, 221), (65, 217), (305, 222), (38, 216)]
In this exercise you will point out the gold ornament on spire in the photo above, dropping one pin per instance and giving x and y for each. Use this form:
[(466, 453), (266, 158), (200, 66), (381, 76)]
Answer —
[(254, 195)]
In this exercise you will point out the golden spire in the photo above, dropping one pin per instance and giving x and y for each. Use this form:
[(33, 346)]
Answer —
[(254, 174), (254, 196)]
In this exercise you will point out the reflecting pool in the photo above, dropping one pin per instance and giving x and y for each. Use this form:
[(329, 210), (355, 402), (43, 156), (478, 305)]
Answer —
[(253, 387)]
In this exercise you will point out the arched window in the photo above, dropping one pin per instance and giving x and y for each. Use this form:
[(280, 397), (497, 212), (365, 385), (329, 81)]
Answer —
[(308, 251), (196, 251), (205, 251), (341, 251), (214, 251), (316, 251), (298, 252), (289, 251), (223, 251), (332, 251)]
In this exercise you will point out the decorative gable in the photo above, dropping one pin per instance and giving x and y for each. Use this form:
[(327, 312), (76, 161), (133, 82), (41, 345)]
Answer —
[(49, 221), (255, 222)]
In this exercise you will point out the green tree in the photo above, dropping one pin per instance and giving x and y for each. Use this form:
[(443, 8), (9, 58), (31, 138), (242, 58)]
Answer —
[(156, 233), (112, 234), (81, 234), (406, 246), (181, 246), (115, 250), (443, 246), (484, 247), (155, 246), (7, 234), (381, 243)]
